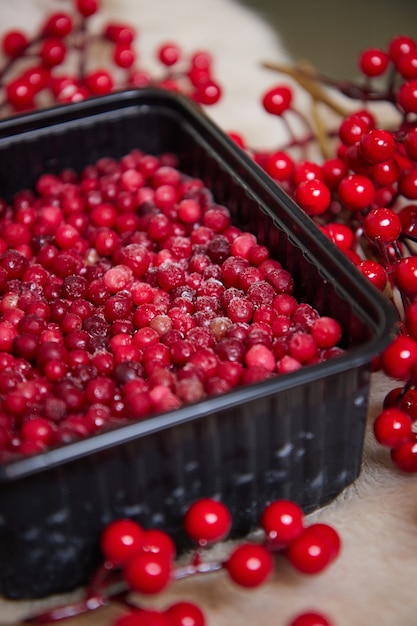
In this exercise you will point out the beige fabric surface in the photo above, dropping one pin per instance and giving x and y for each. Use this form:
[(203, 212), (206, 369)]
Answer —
[(372, 582)]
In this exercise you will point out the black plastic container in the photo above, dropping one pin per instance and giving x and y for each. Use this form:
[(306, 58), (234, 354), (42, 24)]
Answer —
[(297, 436)]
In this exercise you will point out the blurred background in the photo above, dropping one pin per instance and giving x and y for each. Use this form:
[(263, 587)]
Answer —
[(332, 34)]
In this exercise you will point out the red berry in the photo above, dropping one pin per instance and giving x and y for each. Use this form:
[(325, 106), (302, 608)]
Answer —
[(282, 521), (382, 225), (14, 43), (313, 196), (57, 25), (148, 573), (208, 93), (405, 275), (87, 7), (398, 358), (356, 192), (207, 521), (279, 165), (410, 143), (373, 62), (169, 54), (352, 128), (374, 272), (407, 96), (249, 565), (405, 456), (277, 100), (407, 183), (99, 82), (377, 145), (185, 614), (310, 619), (399, 45), (311, 552), (121, 540), (407, 65), (392, 427), (53, 52)]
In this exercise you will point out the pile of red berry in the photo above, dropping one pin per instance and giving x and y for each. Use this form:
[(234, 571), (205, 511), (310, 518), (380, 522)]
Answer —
[(145, 561), (55, 65), (125, 290)]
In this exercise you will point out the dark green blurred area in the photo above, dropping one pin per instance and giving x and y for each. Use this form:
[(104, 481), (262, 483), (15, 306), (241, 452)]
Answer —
[(332, 34)]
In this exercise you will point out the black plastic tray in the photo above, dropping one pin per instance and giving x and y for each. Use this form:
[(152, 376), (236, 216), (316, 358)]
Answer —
[(299, 436)]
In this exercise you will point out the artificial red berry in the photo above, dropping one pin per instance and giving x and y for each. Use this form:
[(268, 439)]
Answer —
[(377, 145), (407, 96), (404, 456), (87, 7), (399, 45), (148, 573), (282, 521), (249, 565), (373, 62), (277, 100), (392, 427), (169, 54), (185, 614), (53, 51), (207, 521), (121, 540), (356, 192), (399, 357), (405, 275), (382, 225), (14, 43), (313, 196), (311, 618), (311, 552), (374, 272)]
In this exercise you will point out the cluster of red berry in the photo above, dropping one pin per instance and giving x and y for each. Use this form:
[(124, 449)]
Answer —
[(363, 198), (144, 560), (33, 74)]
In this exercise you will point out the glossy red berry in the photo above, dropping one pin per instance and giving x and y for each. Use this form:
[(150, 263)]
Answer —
[(310, 619), (14, 43), (377, 145), (121, 540), (99, 82), (53, 51), (207, 521), (404, 456), (407, 96), (399, 45), (407, 183), (282, 521), (405, 275), (58, 25), (313, 196), (185, 614), (410, 143), (373, 62), (399, 357), (249, 565), (87, 7), (148, 573), (382, 225), (279, 165), (352, 128), (374, 272), (311, 552), (356, 192), (277, 100), (392, 427), (169, 54)]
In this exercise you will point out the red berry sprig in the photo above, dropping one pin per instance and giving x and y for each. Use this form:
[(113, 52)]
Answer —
[(145, 561), (362, 194), (32, 75)]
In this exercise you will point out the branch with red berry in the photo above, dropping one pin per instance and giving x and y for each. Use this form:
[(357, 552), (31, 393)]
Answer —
[(143, 562)]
